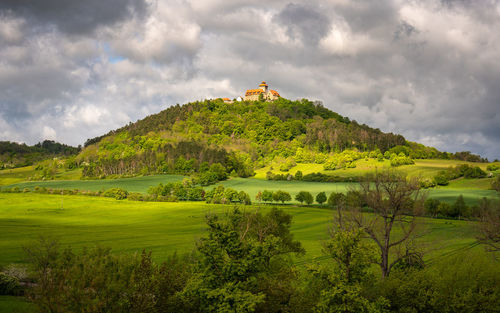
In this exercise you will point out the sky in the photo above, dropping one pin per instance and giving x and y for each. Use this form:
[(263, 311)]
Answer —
[(429, 70)]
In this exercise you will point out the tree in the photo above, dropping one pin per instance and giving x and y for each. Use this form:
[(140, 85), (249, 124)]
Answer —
[(267, 196), (298, 175), (395, 201), (459, 208), (321, 197), (241, 254), (496, 184), (308, 198), (489, 226), (281, 196), (304, 196), (336, 199), (432, 207)]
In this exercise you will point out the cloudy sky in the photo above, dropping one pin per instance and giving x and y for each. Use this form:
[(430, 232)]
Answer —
[(429, 70)]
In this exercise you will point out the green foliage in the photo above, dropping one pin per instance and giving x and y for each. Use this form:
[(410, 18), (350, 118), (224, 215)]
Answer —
[(496, 184), (117, 193), (352, 255), (281, 196), (14, 155), (442, 178), (287, 165), (493, 167), (431, 207), (345, 159), (450, 285), (400, 159), (9, 285), (463, 170), (240, 136), (321, 197), (304, 196), (267, 196), (298, 175), (98, 281), (236, 260), (219, 194), (184, 191), (337, 200)]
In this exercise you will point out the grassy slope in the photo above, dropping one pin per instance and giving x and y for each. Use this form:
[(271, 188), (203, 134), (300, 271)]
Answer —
[(129, 226), (421, 168), (472, 189), (134, 184), (9, 304), (163, 228), (21, 174)]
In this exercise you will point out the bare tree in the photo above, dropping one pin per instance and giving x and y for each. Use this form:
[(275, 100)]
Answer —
[(397, 203)]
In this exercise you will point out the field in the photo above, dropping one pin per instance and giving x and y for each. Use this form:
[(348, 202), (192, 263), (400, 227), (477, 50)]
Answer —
[(129, 226), (471, 189), (421, 168), (163, 228)]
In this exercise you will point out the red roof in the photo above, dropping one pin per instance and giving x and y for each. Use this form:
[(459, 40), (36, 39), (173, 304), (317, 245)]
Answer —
[(275, 93), (253, 92), (226, 99)]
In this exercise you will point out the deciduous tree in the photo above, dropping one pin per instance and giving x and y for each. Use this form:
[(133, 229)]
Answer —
[(396, 202)]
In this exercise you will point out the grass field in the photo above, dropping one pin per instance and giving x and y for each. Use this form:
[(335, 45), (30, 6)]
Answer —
[(130, 226), (9, 304), (421, 168), (472, 189), (21, 174)]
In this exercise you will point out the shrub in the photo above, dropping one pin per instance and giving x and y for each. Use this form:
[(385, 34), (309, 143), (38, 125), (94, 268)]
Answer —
[(9, 285), (441, 178), (117, 193), (493, 167)]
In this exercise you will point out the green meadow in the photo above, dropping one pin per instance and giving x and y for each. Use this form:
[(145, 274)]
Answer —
[(163, 228), (471, 189), (426, 168)]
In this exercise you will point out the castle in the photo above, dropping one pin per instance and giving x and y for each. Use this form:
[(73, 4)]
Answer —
[(267, 94)]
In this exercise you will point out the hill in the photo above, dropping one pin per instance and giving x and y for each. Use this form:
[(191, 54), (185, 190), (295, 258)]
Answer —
[(13, 155), (242, 136)]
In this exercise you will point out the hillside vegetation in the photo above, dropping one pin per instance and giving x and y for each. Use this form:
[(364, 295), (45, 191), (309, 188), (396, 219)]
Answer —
[(13, 155), (244, 136)]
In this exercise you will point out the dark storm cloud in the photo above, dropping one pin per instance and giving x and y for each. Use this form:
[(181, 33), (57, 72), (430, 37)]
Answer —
[(304, 23), (75, 16)]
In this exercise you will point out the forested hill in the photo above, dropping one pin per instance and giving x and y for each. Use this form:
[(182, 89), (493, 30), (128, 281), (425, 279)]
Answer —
[(241, 136), (13, 154)]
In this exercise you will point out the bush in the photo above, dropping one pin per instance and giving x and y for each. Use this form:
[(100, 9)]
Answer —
[(474, 172), (441, 178), (493, 167), (427, 183), (117, 193), (401, 159), (9, 285)]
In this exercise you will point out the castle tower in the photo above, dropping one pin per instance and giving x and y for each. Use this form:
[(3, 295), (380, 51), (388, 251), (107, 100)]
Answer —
[(263, 86)]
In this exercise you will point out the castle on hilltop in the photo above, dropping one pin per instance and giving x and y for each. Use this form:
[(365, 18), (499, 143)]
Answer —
[(255, 94), (267, 94)]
